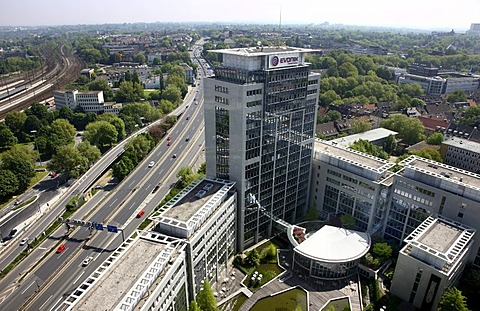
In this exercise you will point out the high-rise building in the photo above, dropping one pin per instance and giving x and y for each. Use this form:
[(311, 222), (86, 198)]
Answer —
[(260, 115)]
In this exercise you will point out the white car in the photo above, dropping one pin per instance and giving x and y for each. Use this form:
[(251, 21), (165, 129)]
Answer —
[(23, 242), (151, 164), (87, 261)]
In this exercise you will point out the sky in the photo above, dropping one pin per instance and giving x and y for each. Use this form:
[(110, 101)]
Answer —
[(416, 14)]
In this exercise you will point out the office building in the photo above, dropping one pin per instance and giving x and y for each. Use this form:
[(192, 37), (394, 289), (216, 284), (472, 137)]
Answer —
[(192, 240), (202, 214), (260, 115), (91, 101), (147, 272), (345, 181), (461, 153), (431, 85), (431, 261)]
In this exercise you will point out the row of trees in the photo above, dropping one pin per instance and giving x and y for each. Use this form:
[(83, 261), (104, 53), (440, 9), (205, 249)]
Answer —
[(138, 148), (17, 168), (23, 64)]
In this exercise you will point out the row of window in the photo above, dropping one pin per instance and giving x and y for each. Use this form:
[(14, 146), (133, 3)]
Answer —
[(221, 89), (221, 100), (254, 92)]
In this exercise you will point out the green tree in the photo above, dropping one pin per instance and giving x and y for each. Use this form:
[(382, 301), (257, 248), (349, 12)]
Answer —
[(173, 94), (470, 116), (20, 160), (382, 250), (122, 168), (390, 144), (8, 184), (90, 152), (253, 257), (329, 97), (347, 221), (186, 175), (128, 92), (15, 121), (269, 253), (360, 125), (115, 121), (367, 147), (435, 139), (452, 300), (312, 213), (69, 160), (410, 130), (102, 85), (100, 134), (457, 96), (7, 139), (193, 305), (166, 106), (205, 298), (63, 130), (138, 148), (347, 69)]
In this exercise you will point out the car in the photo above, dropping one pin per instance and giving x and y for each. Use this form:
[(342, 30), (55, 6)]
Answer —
[(24, 241), (98, 187), (186, 106), (169, 143), (17, 202), (188, 138), (169, 138), (188, 118), (141, 213), (53, 174), (87, 261), (61, 248), (174, 155), (196, 103), (151, 164), (12, 232)]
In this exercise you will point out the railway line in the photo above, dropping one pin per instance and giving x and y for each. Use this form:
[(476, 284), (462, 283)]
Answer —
[(61, 67)]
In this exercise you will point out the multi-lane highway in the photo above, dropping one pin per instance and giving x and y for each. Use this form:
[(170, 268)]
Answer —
[(125, 201)]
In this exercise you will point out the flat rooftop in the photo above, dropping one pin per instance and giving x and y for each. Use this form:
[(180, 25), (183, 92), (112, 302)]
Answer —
[(261, 51), (119, 278), (440, 236), (372, 135), (361, 159), (443, 171), (335, 245), (463, 144), (439, 242), (188, 205)]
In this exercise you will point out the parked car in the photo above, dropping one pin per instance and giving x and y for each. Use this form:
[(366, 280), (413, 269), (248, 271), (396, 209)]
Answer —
[(87, 261), (61, 248), (18, 202), (141, 213)]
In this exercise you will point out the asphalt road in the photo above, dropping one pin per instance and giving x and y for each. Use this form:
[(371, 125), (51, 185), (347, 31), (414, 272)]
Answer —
[(125, 201)]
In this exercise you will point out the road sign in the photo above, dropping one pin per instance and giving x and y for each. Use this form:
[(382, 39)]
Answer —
[(113, 229), (98, 226)]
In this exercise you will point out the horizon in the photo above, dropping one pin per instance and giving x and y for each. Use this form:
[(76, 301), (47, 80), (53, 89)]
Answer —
[(409, 14)]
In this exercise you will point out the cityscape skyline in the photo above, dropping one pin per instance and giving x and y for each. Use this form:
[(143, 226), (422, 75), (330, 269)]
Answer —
[(408, 14)]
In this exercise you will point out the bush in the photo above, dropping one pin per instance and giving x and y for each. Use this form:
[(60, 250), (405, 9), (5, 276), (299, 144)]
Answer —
[(269, 254)]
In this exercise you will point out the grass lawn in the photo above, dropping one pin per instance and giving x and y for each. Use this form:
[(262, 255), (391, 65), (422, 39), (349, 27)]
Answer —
[(294, 299), (269, 272), (146, 93), (338, 305), (234, 304)]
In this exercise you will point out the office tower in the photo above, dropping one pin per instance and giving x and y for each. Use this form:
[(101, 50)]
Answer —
[(260, 113)]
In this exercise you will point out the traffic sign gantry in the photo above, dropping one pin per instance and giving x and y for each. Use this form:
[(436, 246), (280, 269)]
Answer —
[(99, 226), (113, 229)]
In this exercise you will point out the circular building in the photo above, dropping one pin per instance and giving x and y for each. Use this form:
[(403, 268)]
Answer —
[(331, 253)]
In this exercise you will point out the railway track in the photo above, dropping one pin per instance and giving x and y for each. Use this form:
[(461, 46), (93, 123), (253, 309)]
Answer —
[(61, 67)]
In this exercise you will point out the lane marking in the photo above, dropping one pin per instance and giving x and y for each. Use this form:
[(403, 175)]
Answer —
[(28, 287), (60, 299), (78, 277), (99, 254), (46, 301), (63, 252)]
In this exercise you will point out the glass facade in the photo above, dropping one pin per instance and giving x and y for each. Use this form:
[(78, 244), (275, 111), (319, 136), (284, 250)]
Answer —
[(324, 270), (222, 137)]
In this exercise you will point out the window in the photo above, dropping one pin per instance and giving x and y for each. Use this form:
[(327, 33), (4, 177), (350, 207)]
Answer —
[(221, 100), (254, 103), (254, 92), (221, 89)]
